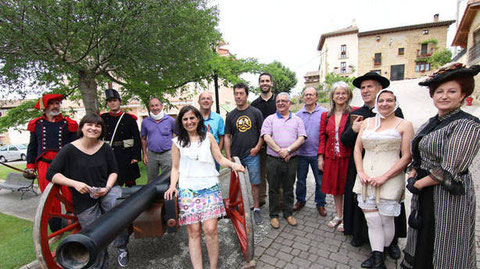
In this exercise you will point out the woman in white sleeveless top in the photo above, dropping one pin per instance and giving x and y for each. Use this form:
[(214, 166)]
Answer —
[(199, 197), (380, 183)]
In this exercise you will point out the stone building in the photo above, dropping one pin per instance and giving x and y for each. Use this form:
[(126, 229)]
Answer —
[(312, 79), (468, 38), (396, 53), (401, 52), (339, 52)]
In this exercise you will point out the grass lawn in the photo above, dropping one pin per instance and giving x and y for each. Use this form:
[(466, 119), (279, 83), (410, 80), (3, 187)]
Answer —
[(142, 180), (16, 243), (5, 170)]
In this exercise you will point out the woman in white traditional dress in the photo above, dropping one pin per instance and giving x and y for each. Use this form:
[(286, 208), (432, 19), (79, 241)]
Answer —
[(441, 231), (199, 197), (380, 183)]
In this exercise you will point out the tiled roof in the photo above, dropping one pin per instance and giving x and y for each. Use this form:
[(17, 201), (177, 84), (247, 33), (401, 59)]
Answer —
[(344, 31), (406, 28)]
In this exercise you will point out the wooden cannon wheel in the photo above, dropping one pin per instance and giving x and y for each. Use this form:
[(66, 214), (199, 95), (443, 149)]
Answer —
[(44, 240), (238, 210)]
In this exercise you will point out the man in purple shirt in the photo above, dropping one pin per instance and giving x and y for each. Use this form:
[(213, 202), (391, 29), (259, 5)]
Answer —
[(307, 154), (284, 133), (157, 133)]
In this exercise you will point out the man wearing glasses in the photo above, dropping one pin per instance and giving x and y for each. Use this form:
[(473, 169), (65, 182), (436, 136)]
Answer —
[(307, 154), (284, 133)]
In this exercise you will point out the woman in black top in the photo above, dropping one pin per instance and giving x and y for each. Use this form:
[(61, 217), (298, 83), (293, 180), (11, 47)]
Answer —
[(88, 167)]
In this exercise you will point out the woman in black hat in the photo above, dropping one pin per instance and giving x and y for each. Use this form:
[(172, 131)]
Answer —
[(442, 222)]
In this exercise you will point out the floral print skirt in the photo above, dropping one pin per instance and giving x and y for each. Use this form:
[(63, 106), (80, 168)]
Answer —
[(200, 205)]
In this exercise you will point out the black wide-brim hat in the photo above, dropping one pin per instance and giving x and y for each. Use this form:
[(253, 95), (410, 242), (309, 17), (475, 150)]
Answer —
[(450, 72), (371, 76), (111, 93)]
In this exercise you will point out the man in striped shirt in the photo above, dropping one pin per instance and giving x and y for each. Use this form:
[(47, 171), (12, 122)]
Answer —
[(284, 133)]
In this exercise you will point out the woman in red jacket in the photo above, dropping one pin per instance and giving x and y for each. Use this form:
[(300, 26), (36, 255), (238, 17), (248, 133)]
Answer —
[(332, 154)]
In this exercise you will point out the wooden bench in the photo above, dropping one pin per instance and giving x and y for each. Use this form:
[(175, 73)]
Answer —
[(16, 182)]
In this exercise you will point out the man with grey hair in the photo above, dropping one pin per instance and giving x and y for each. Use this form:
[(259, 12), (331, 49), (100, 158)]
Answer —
[(311, 114), (284, 133), (157, 132)]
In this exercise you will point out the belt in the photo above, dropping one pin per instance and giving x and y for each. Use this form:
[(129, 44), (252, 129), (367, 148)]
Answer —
[(280, 158), (45, 160), (117, 144), (158, 152)]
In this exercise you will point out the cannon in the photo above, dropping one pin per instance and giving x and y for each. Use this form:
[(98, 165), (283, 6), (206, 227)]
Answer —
[(143, 211)]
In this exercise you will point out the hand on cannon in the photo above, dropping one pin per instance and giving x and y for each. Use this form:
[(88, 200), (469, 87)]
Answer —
[(170, 193)]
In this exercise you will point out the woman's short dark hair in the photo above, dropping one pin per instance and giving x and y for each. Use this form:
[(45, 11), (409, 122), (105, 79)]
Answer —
[(92, 118), (183, 138), (467, 84)]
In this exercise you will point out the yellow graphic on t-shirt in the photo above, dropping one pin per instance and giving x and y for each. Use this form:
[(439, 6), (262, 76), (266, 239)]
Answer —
[(244, 123)]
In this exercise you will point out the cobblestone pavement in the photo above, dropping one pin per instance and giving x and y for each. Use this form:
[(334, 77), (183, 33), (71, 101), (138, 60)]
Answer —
[(312, 244)]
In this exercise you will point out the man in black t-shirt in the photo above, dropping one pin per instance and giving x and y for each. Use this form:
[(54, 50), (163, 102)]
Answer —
[(266, 104), (242, 139)]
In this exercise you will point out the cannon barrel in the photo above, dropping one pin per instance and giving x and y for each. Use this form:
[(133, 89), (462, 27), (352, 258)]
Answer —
[(80, 250)]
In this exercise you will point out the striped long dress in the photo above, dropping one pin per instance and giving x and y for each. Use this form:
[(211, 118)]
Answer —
[(451, 148)]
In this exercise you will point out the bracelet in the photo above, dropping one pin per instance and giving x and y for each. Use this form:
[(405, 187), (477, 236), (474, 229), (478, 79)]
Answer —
[(108, 188)]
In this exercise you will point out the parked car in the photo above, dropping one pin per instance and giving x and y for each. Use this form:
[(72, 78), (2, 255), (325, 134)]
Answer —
[(13, 153)]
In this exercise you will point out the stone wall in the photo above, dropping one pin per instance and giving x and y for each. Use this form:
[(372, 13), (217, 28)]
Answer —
[(388, 45)]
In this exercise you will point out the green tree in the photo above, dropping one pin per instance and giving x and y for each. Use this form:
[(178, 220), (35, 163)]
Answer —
[(331, 78), (439, 58), (284, 79), (150, 47)]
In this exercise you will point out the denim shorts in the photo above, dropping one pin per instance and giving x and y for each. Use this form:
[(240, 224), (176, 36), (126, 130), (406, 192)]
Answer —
[(252, 163)]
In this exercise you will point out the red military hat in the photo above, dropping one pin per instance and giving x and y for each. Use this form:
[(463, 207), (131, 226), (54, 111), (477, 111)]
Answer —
[(46, 98)]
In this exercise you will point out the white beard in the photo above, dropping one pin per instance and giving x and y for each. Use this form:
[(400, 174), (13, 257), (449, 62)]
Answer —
[(158, 116)]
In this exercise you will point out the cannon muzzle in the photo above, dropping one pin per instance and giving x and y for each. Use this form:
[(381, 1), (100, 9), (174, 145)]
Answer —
[(80, 250)]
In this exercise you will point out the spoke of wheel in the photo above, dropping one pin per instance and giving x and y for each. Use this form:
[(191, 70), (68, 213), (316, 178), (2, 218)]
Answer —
[(64, 201), (241, 234), (65, 229), (64, 216)]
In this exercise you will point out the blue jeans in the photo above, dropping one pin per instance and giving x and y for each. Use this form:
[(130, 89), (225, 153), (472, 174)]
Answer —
[(302, 172), (252, 163)]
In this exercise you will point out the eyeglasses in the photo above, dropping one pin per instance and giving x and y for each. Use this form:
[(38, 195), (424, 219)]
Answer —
[(282, 101)]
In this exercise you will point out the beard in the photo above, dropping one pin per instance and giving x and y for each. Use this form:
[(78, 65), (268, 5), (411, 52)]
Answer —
[(266, 89)]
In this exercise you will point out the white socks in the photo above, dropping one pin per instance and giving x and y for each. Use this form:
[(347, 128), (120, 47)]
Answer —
[(381, 230)]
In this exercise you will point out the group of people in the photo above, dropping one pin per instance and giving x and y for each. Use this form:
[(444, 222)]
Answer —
[(358, 155)]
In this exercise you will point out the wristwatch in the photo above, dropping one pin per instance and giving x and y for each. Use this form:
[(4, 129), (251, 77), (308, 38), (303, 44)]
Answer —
[(289, 150)]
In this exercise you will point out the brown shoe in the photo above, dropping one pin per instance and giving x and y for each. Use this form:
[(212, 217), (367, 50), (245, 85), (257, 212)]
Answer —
[(275, 223), (292, 221), (322, 211), (298, 206)]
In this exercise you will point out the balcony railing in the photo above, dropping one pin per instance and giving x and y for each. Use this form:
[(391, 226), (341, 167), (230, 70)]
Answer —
[(474, 54), (345, 71), (423, 54)]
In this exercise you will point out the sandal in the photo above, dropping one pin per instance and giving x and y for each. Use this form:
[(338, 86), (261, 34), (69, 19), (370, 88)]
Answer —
[(340, 227), (334, 222)]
